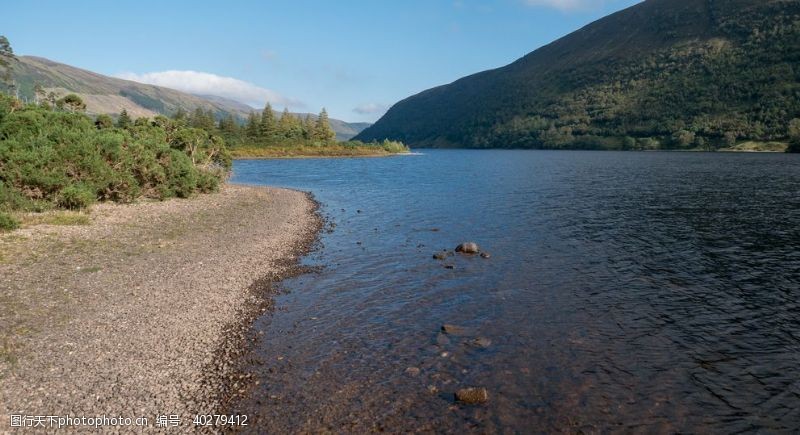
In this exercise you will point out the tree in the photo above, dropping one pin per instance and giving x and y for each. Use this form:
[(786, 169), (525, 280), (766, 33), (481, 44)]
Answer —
[(289, 126), (683, 138), (322, 129), (267, 126), (180, 115), (729, 139), (309, 128), (253, 125), (124, 120), (794, 136), (72, 102), (227, 124), (103, 122), (6, 59)]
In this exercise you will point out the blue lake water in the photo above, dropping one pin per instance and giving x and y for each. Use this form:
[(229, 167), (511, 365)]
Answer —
[(625, 291)]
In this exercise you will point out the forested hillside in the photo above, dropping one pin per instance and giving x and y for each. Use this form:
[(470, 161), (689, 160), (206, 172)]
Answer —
[(662, 74)]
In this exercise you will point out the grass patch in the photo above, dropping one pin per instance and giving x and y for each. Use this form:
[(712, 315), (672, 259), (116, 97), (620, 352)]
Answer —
[(8, 222), (57, 217), (342, 149), (755, 146)]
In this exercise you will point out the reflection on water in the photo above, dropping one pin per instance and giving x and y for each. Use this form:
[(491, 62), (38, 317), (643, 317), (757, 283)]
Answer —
[(625, 291)]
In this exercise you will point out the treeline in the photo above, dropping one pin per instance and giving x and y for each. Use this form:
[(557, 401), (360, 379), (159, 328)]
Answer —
[(264, 129), (55, 156)]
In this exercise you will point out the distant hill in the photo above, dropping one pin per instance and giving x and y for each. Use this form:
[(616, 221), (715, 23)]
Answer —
[(103, 94), (660, 74)]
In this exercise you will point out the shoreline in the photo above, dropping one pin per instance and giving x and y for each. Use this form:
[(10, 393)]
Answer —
[(196, 273)]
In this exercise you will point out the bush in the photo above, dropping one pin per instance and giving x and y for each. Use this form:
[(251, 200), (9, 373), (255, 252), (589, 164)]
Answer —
[(8, 223), (59, 159), (76, 196)]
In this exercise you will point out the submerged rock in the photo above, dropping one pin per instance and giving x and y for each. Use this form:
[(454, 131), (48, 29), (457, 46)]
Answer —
[(468, 248), (440, 255), (449, 266), (412, 371), (481, 342), (486, 255), (452, 329), (472, 396)]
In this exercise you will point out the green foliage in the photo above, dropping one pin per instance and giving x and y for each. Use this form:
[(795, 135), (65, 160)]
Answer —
[(6, 59), (697, 74), (124, 120), (7, 222), (794, 136), (63, 159), (76, 196), (72, 102)]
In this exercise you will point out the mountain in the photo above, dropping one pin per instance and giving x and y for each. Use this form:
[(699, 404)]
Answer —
[(103, 94), (660, 74)]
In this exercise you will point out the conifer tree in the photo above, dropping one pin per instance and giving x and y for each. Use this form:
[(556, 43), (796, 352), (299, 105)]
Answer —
[(252, 126), (267, 127), (309, 128), (323, 130), (288, 126), (124, 120)]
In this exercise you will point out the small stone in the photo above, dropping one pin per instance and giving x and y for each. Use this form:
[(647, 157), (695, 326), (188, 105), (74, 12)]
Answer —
[(472, 396), (440, 255), (432, 389), (481, 342), (468, 248), (486, 255), (412, 371), (449, 266)]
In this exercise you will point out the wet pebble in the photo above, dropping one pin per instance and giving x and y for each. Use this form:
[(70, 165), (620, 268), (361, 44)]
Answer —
[(472, 395)]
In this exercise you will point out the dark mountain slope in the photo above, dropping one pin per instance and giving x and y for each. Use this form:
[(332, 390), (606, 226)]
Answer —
[(668, 73)]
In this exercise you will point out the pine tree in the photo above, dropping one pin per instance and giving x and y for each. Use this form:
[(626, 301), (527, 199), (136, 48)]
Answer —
[(323, 130), (252, 127), (289, 126), (267, 127), (124, 120), (309, 128)]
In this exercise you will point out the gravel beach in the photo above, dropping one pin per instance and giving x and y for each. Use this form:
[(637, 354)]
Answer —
[(141, 312)]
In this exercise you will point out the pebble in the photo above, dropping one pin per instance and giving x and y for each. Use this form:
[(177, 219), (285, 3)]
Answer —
[(472, 395)]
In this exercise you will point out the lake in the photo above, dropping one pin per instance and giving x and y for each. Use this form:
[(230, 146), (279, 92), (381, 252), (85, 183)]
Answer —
[(656, 292)]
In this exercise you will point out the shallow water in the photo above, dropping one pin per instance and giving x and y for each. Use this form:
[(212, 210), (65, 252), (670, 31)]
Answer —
[(626, 291)]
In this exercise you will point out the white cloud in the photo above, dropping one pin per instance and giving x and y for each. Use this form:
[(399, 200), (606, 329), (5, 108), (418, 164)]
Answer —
[(202, 83), (371, 109), (566, 5)]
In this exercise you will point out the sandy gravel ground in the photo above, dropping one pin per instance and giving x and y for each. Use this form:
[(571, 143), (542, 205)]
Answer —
[(141, 312)]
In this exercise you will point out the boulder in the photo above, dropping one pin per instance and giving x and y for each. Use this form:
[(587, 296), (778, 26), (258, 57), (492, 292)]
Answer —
[(468, 248), (472, 396)]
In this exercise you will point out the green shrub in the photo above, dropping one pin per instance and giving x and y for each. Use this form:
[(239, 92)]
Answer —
[(7, 222), (59, 159), (76, 196)]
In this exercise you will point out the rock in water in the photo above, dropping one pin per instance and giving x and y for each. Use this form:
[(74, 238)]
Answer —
[(452, 329), (472, 396), (486, 255), (412, 371), (440, 255), (468, 248), (481, 342)]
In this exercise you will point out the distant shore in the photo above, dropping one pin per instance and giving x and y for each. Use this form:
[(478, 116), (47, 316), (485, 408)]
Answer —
[(241, 153), (140, 309)]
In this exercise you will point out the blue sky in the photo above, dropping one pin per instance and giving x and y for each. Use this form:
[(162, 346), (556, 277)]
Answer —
[(354, 57)]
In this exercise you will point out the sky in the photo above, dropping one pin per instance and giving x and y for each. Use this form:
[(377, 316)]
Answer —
[(354, 57)]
